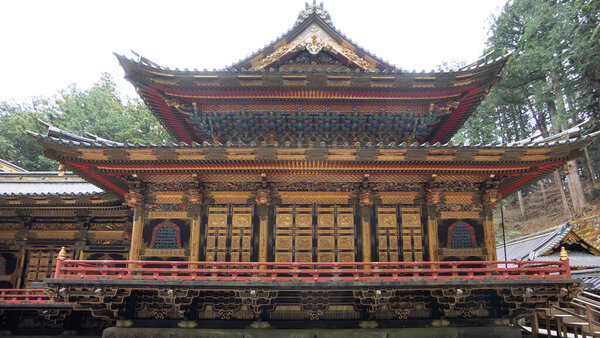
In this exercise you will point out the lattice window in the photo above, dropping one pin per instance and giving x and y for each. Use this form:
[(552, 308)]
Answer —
[(2, 266), (461, 235), (166, 236)]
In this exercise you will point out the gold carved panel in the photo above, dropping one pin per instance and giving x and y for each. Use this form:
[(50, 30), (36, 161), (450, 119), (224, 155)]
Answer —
[(326, 243), (304, 220), (325, 220), (217, 220), (411, 220), (283, 243), (284, 220), (241, 220), (386, 220), (345, 220), (304, 243), (346, 242)]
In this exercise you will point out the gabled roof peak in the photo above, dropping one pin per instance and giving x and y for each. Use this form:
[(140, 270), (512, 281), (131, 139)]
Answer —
[(313, 9)]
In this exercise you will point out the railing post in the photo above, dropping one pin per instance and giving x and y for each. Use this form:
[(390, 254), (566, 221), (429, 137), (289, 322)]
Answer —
[(564, 258), (62, 255)]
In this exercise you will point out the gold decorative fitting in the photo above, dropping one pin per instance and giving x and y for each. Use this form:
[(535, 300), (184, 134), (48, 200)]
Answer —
[(434, 196), (62, 254), (61, 169), (365, 198), (564, 256), (263, 197)]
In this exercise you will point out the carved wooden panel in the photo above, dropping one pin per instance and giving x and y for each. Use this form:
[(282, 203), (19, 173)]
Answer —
[(387, 234), (412, 234), (41, 263), (293, 234), (229, 233), (308, 234)]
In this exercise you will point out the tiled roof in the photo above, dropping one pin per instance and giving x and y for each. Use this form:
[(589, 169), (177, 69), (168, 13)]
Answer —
[(576, 259), (590, 277), (100, 143), (530, 246), (45, 184)]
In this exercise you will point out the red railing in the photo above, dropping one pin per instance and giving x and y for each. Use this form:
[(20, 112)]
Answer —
[(309, 272), (24, 296)]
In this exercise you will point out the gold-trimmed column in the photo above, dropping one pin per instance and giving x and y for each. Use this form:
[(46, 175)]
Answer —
[(262, 200), (365, 202), (490, 199), (432, 234), (135, 199), (433, 198), (195, 198)]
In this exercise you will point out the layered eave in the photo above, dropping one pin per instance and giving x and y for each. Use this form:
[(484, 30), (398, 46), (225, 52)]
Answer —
[(515, 165)]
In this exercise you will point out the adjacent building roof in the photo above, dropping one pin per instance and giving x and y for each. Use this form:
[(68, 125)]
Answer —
[(50, 188), (545, 245), (6, 166)]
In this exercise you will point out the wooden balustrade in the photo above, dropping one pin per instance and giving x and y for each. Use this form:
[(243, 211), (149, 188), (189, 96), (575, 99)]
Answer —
[(311, 271)]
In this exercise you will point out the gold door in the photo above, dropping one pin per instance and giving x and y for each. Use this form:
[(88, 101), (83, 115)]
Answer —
[(293, 234), (412, 234), (229, 233), (387, 234)]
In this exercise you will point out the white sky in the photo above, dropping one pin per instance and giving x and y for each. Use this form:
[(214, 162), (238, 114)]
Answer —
[(47, 45)]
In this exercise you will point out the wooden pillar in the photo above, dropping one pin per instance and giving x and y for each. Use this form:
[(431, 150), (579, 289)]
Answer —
[(488, 233), (432, 234), (365, 230), (136, 233), (263, 233), (263, 199), (135, 199), (195, 233)]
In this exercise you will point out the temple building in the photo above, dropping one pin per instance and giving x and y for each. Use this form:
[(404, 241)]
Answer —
[(312, 182)]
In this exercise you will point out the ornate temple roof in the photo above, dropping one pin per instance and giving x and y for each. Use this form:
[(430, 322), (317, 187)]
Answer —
[(312, 84)]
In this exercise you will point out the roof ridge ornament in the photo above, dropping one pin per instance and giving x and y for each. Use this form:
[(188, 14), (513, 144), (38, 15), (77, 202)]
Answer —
[(313, 9)]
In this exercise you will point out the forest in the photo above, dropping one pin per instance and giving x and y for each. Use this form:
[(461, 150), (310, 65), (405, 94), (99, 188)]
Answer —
[(550, 83)]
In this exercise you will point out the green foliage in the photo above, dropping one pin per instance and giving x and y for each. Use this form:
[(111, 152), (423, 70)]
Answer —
[(552, 79), (98, 110)]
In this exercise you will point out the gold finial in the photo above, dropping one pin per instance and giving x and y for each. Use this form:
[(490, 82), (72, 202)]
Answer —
[(62, 254), (564, 256), (61, 169)]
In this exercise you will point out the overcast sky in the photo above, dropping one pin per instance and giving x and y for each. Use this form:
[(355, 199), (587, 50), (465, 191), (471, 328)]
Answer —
[(47, 45)]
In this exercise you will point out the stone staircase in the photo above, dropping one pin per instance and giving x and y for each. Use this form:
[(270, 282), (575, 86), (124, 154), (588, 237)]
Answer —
[(577, 318)]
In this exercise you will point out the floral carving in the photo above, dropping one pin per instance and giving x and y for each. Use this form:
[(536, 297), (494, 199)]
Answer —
[(434, 196), (134, 198), (365, 198), (195, 196)]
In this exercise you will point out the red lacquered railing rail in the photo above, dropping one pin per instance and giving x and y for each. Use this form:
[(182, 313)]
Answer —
[(310, 272), (24, 296)]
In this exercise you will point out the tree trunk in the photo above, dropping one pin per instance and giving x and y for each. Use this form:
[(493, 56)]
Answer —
[(575, 187), (559, 185), (543, 190), (521, 204), (589, 167)]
